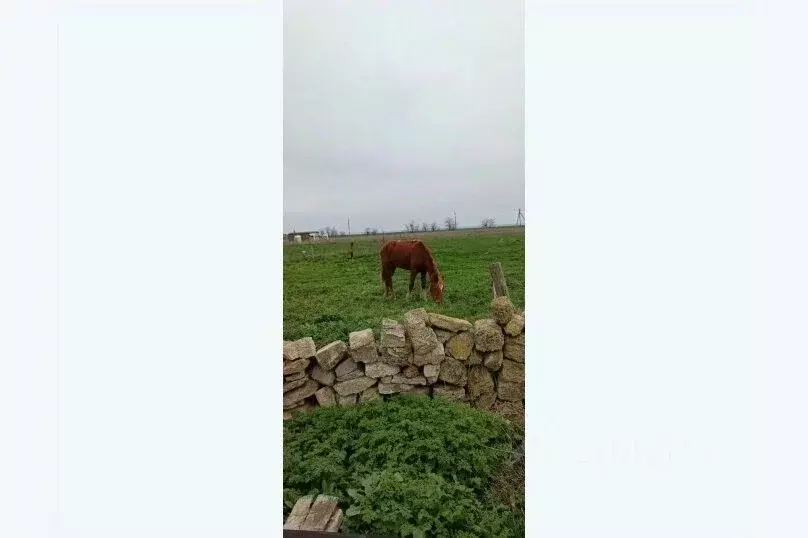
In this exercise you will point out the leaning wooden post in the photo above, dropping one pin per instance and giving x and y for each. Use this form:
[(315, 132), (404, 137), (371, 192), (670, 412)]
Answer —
[(351, 249), (500, 288)]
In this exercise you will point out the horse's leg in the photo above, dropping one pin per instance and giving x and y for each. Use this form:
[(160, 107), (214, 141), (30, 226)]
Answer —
[(423, 284), (413, 273), (387, 279)]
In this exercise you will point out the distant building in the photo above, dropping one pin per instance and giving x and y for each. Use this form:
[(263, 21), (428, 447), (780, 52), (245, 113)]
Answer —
[(305, 236)]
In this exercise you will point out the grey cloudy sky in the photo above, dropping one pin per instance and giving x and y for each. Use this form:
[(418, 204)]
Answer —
[(402, 110)]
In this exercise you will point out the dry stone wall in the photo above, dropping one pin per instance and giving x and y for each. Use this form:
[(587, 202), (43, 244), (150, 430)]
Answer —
[(480, 364)]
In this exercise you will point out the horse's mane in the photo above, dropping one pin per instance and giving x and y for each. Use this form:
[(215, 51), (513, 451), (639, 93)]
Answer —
[(436, 275)]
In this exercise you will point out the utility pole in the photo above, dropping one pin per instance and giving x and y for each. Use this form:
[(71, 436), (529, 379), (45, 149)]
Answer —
[(349, 225), (520, 219), (455, 218)]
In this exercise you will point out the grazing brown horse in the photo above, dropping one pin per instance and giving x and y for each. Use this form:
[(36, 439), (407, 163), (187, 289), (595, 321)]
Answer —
[(415, 256)]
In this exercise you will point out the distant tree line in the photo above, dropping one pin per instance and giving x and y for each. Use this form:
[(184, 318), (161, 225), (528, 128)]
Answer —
[(331, 231), (449, 223)]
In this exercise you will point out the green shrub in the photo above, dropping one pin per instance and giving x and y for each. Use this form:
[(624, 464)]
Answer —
[(411, 466)]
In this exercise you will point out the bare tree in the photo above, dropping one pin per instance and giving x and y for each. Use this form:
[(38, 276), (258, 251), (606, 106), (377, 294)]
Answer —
[(331, 231), (488, 222), (367, 231), (411, 226), (424, 227), (450, 223), (434, 226)]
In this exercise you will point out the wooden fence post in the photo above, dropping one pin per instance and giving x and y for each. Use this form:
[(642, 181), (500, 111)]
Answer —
[(498, 280)]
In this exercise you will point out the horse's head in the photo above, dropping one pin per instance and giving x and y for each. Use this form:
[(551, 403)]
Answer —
[(436, 290)]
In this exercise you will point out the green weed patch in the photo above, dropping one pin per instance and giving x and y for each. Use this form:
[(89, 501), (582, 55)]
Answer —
[(410, 466)]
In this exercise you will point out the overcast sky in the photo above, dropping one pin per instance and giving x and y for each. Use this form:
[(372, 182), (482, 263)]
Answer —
[(402, 110)]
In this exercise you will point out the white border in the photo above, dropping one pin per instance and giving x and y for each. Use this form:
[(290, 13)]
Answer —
[(666, 402)]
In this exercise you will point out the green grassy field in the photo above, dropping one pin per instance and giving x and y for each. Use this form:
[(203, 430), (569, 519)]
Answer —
[(327, 295)]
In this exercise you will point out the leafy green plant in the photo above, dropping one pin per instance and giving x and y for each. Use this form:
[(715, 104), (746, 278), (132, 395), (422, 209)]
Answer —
[(411, 466)]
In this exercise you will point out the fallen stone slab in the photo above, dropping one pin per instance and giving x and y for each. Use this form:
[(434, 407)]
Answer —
[(330, 355), (335, 521), (303, 348), (452, 371), (460, 345), (298, 514), (326, 396), (488, 335), (354, 386), (320, 513), (502, 310), (380, 369), (449, 324), (294, 367), (293, 397), (480, 381), (515, 326)]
